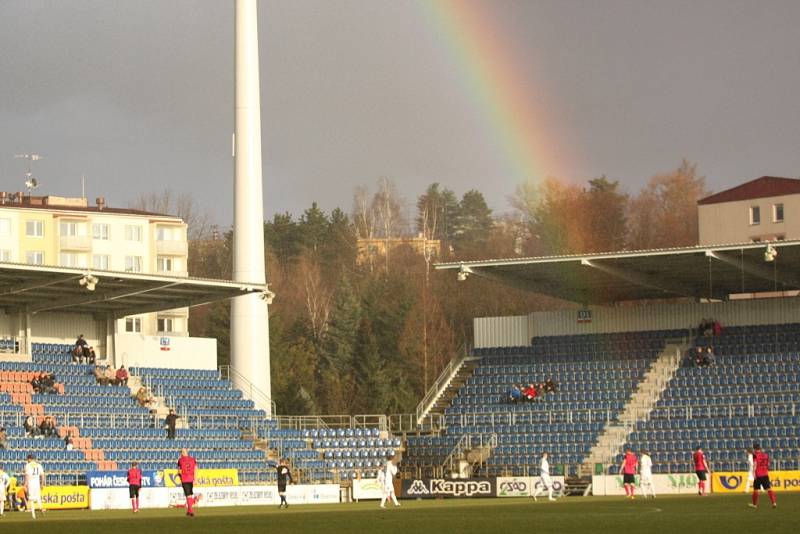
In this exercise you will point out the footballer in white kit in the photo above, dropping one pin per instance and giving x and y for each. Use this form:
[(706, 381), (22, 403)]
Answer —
[(5, 480), (545, 482), (646, 474), (751, 470), (386, 477), (34, 480)]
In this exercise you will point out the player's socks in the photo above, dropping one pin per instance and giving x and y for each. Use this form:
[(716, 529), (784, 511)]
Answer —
[(755, 498), (771, 495), (394, 500), (190, 505)]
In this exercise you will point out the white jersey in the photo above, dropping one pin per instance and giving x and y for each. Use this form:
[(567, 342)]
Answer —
[(544, 468), (5, 480), (388, 476), (646, 466), (33, 475), (750, 467)]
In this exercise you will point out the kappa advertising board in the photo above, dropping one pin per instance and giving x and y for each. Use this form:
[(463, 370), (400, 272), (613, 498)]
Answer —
[(119, 479), (525, 486), (735, 482), (65, 497), (432, 488), (664, 484), (203, 478), (367, 488)]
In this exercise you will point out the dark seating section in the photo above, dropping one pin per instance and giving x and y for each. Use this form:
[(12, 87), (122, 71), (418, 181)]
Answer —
[(595, 373), (749, 394)]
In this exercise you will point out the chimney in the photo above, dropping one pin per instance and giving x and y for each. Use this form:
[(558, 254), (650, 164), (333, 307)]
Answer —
[(101, 203), (20, 197), (3, 197)]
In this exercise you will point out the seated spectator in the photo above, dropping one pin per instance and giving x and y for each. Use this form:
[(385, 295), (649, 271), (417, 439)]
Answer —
[(549, 386), (716, 328), (100, 375), (529, 392), (68, 441), (708, 357), (36, 384), (144, 397), (90, 355), (514, 394), (3, 439), (79, 352), (110, 375), (47, 383), (698, 356), (47, 428), (31, 429), (122, 376)]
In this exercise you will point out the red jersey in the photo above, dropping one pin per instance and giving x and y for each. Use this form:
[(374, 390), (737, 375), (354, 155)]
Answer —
[(631, 461), (187, 465), (699, 461), (135, 476), (761, 460)]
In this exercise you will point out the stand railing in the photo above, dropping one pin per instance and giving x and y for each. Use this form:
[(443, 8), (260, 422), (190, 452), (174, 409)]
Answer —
[(404, 423), (467, 443), (447, 374), (261, 399)]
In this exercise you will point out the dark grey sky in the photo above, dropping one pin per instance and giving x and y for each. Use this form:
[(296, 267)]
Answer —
[(138, 94)]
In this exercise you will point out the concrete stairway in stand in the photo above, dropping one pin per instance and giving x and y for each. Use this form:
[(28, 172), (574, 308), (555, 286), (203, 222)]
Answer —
[(643, 400)]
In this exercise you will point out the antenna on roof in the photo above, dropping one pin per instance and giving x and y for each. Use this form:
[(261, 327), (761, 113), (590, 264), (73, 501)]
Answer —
[(30, 182)]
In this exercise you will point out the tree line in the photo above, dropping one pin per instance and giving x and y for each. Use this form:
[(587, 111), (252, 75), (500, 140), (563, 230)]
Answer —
[(370, 335)]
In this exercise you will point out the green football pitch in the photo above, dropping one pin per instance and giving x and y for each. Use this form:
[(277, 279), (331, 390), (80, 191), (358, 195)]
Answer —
[(665, 515)]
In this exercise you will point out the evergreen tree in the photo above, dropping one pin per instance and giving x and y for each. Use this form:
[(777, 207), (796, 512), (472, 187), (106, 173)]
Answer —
[(474, 222), (370, 376)]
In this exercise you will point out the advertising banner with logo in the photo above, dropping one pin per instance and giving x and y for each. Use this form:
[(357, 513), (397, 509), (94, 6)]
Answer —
[(119, 479), (65, 497), (433, 488), (203, 478), (118, 498), (664, 484), (252, 495), (735, 482), (367, 488), (525, 486)]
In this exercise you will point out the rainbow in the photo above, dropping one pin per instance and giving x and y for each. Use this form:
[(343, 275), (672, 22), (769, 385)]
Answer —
[(516, 116)]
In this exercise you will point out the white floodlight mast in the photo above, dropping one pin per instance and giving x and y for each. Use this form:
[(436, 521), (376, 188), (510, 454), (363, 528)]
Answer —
[(249, 342)]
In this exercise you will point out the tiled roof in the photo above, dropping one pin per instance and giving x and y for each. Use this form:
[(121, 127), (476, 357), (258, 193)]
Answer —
[(766, 186)]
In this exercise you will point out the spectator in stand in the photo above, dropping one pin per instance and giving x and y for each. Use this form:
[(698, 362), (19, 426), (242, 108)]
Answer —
[(540, 390), (79, 353), (709, 357), (110, 375), (122, 376), (68, 441), (514, 394), (170, 420), (100, 375), (529, 393), (549, 386), (47, 383), (716, 328), (30, 426), (144, 398), (36, 384), (3, 439), (90, 356), (48, 427), (699, 356)]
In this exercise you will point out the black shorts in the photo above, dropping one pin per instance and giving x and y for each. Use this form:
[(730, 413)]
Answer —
[(188, 488), (762, 483), (281, 488), (628, 478), (701, 475), (133, 491)]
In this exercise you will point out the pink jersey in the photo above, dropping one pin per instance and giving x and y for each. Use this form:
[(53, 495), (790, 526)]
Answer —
[(761, 460), (187, 464), (630, 464), (134, 476), (699, 461)]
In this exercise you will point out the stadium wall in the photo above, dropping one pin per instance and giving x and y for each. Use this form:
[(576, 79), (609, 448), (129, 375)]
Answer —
[(519, 330), (137, 350)]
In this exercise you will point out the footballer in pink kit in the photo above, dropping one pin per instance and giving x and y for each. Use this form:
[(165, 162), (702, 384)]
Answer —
[(761, 460), (701, 469), (187, 466), (628, 469)]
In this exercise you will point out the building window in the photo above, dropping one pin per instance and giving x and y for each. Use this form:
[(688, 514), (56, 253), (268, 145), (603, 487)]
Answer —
[(69, 259), (133, 264), (5, 227), (100, 231), (5, 254), (34, 228), (34, 257), (133, 324), (100, 261), (133, 233), (164, 264), (168, 233), (777, 213), (73, 229), (165, 324)]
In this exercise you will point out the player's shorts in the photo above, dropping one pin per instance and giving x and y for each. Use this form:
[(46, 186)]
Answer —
[(34, 493), (628, 478), (646, 479), (281, 488), (188, 488), (133, 491), (762, 483), (701, 475), (546, 481)]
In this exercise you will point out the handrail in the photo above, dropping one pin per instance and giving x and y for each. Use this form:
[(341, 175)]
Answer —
[(447, 374), (465, 443), (261, 400), (400, 423)]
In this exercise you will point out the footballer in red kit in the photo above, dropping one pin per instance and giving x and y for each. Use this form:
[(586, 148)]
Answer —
[(628, 469), (187, 466), (701, 469), (134, 485), (761, 462)]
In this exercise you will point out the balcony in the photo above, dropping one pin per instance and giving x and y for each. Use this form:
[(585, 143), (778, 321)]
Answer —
[(76, 242), (172, 248)]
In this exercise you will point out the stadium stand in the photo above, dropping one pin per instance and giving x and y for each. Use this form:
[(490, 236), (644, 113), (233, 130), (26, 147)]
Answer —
[(749, 394)]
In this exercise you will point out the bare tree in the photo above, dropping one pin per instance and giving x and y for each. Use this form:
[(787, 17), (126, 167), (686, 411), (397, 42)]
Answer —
[(167, 202), (317, 295), (387, 213)]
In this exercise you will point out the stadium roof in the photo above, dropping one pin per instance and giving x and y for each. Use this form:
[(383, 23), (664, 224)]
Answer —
[(702, 272), (37, 288), (766, 186)]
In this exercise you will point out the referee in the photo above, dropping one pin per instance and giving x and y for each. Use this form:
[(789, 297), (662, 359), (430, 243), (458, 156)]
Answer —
[(284, 476)]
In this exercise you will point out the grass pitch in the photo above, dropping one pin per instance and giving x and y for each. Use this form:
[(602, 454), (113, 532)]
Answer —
[(727, 514)]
